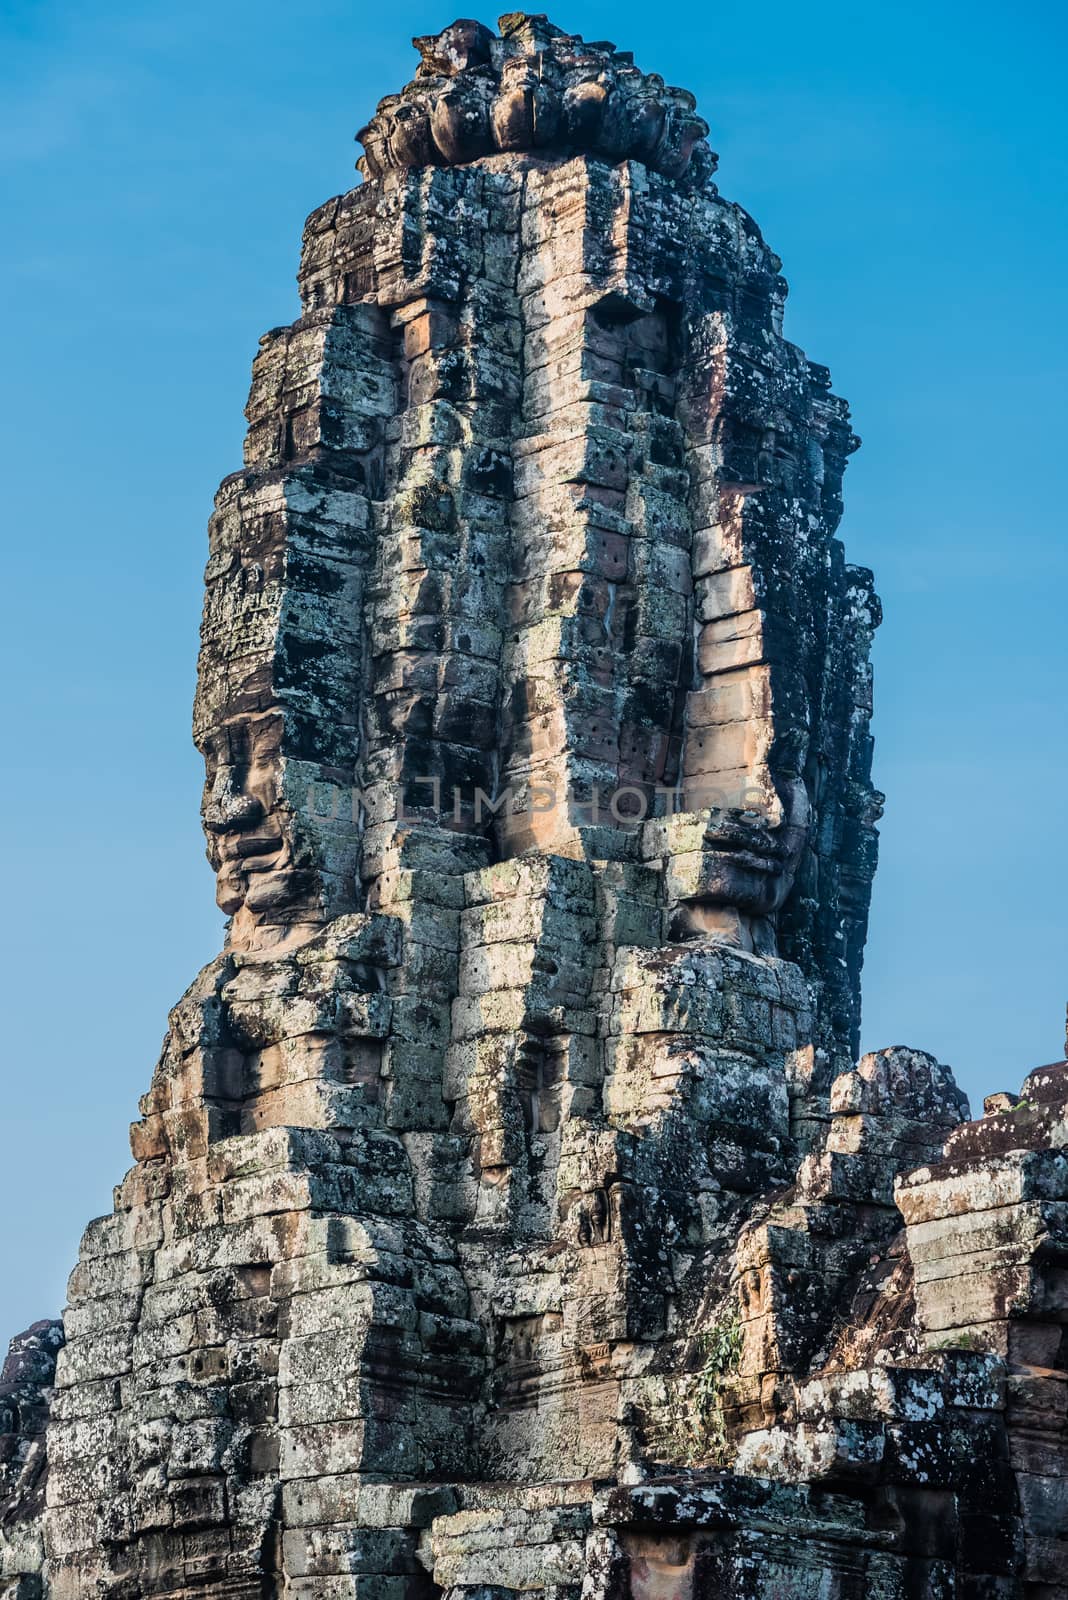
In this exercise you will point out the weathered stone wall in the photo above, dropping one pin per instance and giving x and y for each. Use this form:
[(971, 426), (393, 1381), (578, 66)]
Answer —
[(26, 1381), (507, 1212)]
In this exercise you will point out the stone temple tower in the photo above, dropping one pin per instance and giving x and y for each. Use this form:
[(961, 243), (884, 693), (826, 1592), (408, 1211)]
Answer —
[(508, 1212)]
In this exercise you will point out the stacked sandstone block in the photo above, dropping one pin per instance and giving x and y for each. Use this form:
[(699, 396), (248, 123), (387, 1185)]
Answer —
[(507, 1214)]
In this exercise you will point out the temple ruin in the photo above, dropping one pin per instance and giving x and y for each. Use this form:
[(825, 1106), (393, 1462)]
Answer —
[(509, 1210)]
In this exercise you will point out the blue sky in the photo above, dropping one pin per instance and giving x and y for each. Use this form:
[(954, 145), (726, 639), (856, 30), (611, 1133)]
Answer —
[(156, 165)]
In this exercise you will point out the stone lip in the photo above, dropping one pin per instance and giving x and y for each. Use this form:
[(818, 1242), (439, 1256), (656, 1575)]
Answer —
[(533, 88)]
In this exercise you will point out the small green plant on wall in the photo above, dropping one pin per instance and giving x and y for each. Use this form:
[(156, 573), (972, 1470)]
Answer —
[(720, 1347)]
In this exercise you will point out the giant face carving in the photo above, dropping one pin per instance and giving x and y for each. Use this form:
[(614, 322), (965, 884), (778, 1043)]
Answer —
[(277, 811), (751, 853), (281, 869), (249, 832), (730, 867)]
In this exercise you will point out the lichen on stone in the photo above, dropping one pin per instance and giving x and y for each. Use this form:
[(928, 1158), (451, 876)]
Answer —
[(509, 1210)]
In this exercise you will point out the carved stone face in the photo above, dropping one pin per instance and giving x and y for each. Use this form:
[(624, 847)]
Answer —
[(729, 869), (275, 680), (284, 856), (248, 842), (752, 859)]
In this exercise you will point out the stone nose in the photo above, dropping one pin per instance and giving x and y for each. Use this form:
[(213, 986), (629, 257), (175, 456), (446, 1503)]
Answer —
[(229, 804)]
